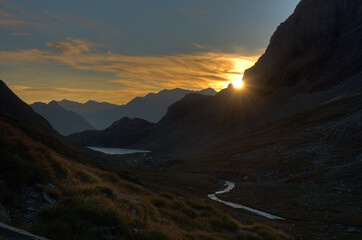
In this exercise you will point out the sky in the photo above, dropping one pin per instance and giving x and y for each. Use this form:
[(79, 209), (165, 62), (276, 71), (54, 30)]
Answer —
[(116, 50)]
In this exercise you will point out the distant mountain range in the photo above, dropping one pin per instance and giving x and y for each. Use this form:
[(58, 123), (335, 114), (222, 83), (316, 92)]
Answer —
[(85, 108), (65, 122), (151, 107), (69, 117)]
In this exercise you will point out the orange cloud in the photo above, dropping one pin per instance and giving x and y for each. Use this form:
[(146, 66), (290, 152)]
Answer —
[(139, 74), (73, 46)]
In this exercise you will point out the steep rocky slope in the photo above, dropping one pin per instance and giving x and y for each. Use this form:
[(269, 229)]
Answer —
[(316, 48)]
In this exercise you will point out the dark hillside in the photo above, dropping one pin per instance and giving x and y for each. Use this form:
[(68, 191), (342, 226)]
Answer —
[(13, 106)]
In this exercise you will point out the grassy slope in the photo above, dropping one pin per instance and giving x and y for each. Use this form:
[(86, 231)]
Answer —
[(93, 203), (305, 167)]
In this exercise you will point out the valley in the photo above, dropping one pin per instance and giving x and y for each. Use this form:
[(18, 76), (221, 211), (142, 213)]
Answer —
[(277, 156)]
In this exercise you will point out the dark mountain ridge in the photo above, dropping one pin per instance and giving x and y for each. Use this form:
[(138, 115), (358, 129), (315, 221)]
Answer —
[(65, 122)]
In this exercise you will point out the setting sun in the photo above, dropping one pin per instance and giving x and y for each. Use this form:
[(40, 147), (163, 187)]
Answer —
[(238, 83)]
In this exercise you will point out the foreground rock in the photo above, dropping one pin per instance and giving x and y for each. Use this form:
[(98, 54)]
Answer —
[(16, 233)]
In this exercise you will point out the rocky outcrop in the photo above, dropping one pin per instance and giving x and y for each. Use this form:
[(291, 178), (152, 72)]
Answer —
[(16, 233), (317, 47)]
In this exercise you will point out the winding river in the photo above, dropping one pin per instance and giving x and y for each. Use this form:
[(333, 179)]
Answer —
[(229, 187)]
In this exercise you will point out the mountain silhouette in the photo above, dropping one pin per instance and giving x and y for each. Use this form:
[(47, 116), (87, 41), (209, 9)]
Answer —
[(85, 108), (65, 122), (124, 132), (151, 107)]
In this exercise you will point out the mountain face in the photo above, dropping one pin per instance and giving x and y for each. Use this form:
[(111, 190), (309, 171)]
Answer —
[(313, 57), (318, 47), (151, 107), (85, 108), (12, 105), (65, 122)]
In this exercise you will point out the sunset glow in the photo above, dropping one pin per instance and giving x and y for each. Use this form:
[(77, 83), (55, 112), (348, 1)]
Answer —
[(238, 83), (119, 78), (54, 50)]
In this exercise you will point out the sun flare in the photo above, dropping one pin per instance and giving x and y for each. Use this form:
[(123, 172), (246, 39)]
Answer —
[(238, 83)]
